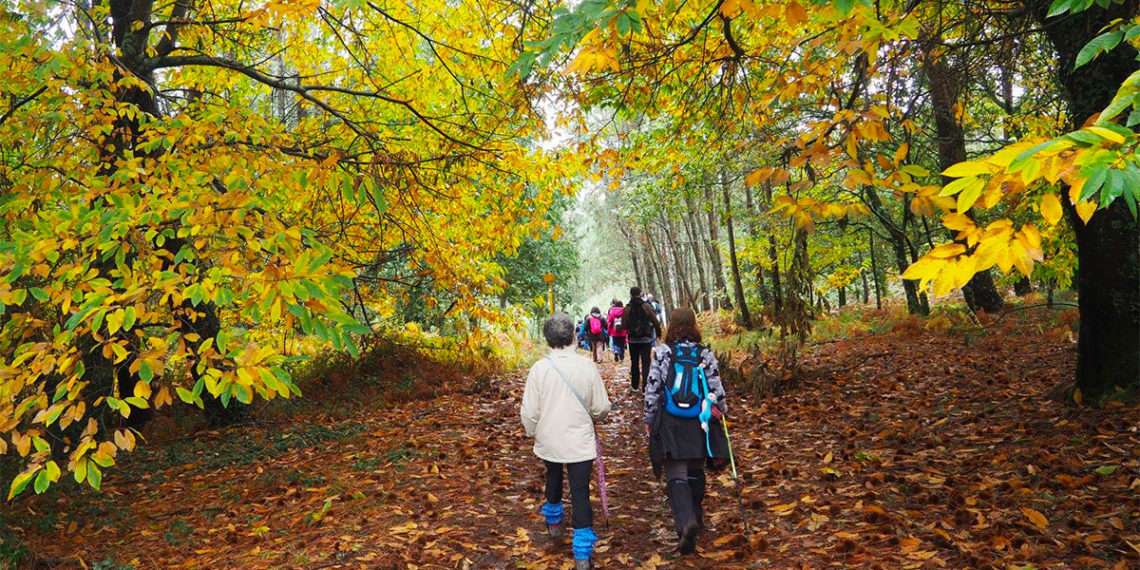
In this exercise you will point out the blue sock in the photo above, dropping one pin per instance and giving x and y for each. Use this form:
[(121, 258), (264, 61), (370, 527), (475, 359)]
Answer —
[(583, 543), (553, 513)]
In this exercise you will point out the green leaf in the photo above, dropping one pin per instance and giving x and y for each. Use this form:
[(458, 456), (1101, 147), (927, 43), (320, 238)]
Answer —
[(185, 395), (1058, 7), (42, 483), (94, 476), (1106, 470), (145, 371), (21, 482), (138, 402), (1094, 181), (1100, 44), (129, 317), (40, 295)]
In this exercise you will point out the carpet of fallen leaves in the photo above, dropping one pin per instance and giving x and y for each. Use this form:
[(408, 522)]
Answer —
[(909, 449)]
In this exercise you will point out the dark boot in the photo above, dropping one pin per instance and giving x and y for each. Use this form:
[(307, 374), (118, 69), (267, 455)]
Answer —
[(697, 485), (684, 519)]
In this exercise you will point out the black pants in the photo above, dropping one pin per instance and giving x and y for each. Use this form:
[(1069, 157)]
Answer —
[(639, 354), (581, 515), (685, 479)]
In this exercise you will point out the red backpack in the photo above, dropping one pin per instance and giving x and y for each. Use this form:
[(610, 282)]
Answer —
[(595, 325)]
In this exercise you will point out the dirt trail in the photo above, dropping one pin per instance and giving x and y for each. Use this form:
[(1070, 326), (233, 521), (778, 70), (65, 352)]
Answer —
[(910, 449)]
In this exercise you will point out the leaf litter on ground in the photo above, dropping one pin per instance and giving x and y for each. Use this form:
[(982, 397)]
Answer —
[(941, 454)]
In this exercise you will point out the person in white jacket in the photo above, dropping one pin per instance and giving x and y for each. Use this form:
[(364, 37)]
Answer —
[(563, 398)]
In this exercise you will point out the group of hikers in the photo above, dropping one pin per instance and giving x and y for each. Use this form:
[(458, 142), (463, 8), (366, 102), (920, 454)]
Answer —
[(684, 408), (597, 332)]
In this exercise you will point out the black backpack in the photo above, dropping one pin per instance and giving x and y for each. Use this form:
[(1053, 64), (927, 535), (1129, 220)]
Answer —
[(636, 320)]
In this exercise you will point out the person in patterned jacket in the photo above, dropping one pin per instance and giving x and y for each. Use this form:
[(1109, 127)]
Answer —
[(682, 445)]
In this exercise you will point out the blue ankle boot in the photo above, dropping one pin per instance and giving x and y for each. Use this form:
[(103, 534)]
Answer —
[(583, 547), (553, 514)]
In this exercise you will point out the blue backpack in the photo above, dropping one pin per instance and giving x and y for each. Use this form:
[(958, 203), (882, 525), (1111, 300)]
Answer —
[(688, 386)]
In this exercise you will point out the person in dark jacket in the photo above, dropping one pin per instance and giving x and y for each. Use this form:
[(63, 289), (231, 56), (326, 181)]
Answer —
[(683, 444), (642, 330)]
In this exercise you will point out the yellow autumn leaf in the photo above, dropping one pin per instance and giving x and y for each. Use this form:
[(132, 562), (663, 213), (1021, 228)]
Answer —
[(925, 268), (1085, 210), (968, 168), (1051, 208), (970, 195), (956, 221), (947, 251), (1106, 134), (1035, 517)]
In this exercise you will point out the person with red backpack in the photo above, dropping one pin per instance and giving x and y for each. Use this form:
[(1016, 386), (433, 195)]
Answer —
[(684, 410), (596, 332), (618, 334)]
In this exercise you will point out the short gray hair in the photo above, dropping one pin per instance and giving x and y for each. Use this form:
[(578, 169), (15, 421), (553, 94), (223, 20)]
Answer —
[(559, 330)]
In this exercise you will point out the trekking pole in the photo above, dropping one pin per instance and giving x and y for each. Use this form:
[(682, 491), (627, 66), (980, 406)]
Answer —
[(735, 478), (601, 467)]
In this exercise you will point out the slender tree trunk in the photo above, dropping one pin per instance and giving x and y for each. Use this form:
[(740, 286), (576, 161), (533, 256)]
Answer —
[(631, 245), (650, 263), (754, 233), (774, 259), (907, 215), (898, 240), (1022, 287), (714, 249), (946, 84), (696, 252), (863, 278), (1108, 247), (842, 301), (737, 286), (684, 292), (660, 253), (875, 273)]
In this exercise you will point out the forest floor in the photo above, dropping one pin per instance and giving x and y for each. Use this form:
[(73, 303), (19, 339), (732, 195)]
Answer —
[(905, 449)]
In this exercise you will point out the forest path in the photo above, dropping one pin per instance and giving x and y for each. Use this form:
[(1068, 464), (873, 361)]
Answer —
[(909, 449)]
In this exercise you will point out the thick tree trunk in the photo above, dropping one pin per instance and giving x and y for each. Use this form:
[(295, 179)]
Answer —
[(1108, 247), (946, 84), (737, 286)]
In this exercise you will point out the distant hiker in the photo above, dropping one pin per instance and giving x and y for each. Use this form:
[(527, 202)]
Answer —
[(580, 334), (658, 309), (564, 396), (642, 328), (618, 333), (684, 404), (596, 332)]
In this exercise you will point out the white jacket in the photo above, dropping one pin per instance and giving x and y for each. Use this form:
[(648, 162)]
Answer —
[(562, 429)]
